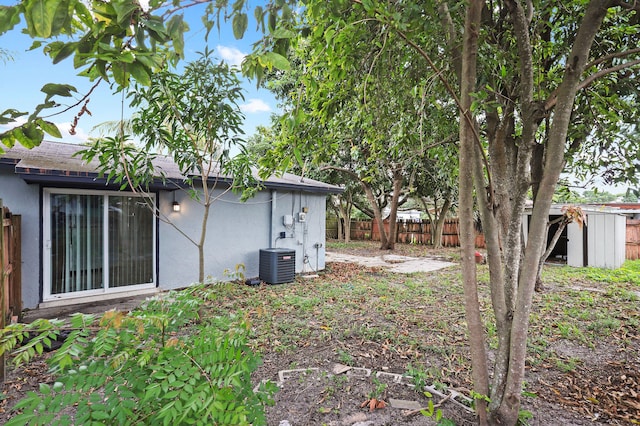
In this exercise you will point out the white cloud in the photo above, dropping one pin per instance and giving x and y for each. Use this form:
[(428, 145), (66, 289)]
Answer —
[(231, 55), (81, 136), (255, 105), (19, 121)]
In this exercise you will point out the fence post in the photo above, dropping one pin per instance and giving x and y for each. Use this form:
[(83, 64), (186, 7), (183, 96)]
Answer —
[(3, 277), (15, 284)]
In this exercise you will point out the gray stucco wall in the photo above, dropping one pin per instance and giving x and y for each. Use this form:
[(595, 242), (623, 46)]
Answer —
[(306, 238), (236, 232), (24, 199)]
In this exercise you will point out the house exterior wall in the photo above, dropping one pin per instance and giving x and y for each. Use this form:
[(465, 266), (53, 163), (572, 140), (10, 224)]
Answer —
[(306, 237), (236, 232), (24, 199)]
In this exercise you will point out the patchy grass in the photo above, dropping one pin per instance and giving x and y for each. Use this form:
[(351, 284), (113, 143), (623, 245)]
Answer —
[(582, 348), (415, 323), (628, 274)]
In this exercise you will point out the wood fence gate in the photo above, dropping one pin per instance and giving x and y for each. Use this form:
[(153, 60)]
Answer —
[(10, 271), (633, 239)]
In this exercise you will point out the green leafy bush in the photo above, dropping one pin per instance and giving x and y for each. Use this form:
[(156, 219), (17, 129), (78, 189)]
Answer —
[(161, 364)]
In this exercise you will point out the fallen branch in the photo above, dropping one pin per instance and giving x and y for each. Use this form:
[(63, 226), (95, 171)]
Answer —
[(419, 410)]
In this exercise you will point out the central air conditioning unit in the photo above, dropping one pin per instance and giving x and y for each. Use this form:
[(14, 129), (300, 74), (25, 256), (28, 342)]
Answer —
[(277, 265)]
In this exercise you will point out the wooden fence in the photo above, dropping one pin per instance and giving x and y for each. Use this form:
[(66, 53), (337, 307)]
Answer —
[(419, 232), (414, 232), (10, 272), (633, 239)]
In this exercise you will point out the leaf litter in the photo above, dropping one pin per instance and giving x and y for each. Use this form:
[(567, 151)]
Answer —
[(374, 319)]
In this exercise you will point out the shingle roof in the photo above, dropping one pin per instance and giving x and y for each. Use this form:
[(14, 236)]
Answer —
[(56, 161)]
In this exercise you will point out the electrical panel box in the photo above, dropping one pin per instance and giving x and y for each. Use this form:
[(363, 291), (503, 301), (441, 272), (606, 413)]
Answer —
[(287, 220), (302, 217), (277, 265)]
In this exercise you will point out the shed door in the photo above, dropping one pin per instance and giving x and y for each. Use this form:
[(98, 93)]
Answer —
[(606, 236)]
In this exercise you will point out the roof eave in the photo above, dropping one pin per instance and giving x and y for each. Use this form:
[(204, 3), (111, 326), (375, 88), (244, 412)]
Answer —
[(304, 188)]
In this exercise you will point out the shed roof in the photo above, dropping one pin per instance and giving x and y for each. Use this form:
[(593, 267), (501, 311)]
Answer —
[(56, 162), (556, 209)]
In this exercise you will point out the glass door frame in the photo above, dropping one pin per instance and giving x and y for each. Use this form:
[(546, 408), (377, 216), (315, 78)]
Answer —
[(47, 245)]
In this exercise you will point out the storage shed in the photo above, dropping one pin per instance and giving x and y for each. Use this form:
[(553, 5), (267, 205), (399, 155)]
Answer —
[(599, 243)]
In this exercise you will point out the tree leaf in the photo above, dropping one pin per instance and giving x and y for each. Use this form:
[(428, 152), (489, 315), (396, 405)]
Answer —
[(9, 18), (17, 134), (52, 89), (61, 18), (31, 131), (140, 73), (258, 14), (39, 15), (120, 73), (274, 60), (282, 33), (49, 128), (239, 24), (45, 389), (67, 50), (176, 27), (9, 115), (298, 155), (124, 11), (155, 25)]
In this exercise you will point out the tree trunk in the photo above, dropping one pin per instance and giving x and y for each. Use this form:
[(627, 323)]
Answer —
[(429, 218), (507, 384), (467, 230), (393, 214), (377, 215), (346, 228), (203, 230), (441, 216), (336, 211), (343, 208), (562, 223)]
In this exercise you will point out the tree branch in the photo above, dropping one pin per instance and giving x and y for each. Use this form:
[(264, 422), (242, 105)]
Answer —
[(553, 98), (82, 99), (451, 92), (634, 5), (612, 56)]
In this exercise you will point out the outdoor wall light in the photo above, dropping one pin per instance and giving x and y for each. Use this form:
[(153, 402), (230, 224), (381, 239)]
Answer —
[(175, 206)]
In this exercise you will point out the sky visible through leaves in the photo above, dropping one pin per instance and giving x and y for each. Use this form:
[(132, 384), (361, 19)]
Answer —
[(24, 72)]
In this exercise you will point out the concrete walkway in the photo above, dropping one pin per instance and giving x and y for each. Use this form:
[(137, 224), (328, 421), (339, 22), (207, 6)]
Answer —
[(100, 307), (392, 262)]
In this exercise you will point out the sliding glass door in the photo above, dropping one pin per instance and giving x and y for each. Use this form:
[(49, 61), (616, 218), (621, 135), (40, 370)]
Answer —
[(96, 242), (130, 241)]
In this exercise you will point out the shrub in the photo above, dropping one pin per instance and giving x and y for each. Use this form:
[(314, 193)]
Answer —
[(160, 364)]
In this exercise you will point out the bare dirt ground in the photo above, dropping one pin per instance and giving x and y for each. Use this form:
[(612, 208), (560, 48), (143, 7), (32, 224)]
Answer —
[(608, 377), (332, 381)]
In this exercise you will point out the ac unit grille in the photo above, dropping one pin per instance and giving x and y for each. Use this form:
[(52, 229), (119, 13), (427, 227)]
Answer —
[(277, 265)]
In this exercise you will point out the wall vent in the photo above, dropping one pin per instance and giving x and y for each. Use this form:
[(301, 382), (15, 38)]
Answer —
[(277, 265)]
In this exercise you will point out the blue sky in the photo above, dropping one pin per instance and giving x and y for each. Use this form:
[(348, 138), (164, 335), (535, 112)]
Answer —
[(22, 78)]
